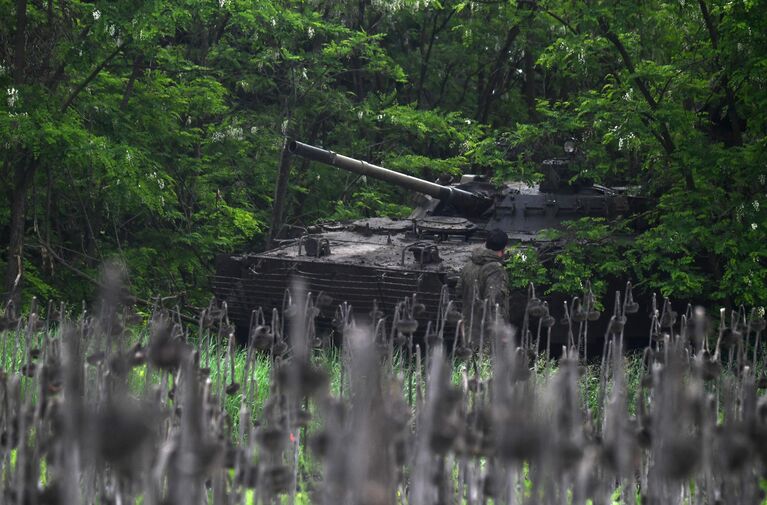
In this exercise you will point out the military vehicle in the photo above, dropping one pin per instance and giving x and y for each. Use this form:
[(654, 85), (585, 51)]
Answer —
[(373, 264)]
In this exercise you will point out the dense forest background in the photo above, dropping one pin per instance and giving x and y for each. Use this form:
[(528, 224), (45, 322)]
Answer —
[(152, 132)]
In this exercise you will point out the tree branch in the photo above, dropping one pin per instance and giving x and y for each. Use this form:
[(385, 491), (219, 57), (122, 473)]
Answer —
[(54, 79), (664, 136), (20, 45), (562, 21), (709, 24), (628, 63), (732, 105), (135, 72), (71, 98), (495, 73), (665, 88)]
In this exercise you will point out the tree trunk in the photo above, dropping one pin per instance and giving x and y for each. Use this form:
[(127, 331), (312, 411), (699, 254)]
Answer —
[(489, 90), (361, 14), (138, 67), (426, 55), (280, 194), (735, 137), (22, 179), (20, 44), (22, 175), (530, 80)]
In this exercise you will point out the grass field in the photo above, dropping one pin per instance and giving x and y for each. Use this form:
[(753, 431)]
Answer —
[(97, 410)]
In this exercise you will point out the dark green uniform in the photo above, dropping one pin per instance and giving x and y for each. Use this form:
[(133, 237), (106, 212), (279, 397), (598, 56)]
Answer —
[(483, 278)]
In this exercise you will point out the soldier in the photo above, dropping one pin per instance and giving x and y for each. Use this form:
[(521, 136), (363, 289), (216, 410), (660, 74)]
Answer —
[(484, 278)]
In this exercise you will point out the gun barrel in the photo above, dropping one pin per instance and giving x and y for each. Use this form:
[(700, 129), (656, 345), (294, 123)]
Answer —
[(458, 197)]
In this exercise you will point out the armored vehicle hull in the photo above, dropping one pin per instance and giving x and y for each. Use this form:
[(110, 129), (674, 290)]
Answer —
[(374, 267), (373, 264)]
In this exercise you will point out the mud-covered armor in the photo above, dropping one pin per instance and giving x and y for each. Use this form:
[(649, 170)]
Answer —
[(375, 263)]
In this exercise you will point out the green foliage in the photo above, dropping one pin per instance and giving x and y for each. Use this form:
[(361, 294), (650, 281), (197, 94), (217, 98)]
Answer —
[(367, 203), (151, 132), (422, 165), (524, 267), (586, 249), (592, 249)]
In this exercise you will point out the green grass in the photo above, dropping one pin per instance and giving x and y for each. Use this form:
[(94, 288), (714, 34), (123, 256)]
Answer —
[(592, 387), (216, 357)]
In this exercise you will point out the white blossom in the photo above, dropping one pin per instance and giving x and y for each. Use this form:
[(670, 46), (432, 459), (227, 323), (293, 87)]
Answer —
[(96, 14), (754, 226), (755, 205), (739, 211), (310, 32), (389, 5), (13, 96), (235, 133)]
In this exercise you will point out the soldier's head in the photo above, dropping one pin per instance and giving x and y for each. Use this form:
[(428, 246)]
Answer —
[(496, 240)]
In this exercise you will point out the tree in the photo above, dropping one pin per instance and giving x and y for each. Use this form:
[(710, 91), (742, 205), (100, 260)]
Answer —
[(153, 132)]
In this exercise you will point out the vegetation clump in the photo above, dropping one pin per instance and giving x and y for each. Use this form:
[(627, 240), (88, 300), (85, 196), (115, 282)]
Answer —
[(179, 414), (153, 132)]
